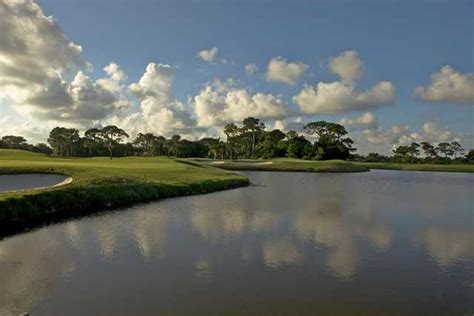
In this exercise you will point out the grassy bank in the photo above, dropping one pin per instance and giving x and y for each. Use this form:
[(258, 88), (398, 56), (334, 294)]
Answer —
[(100, 184), (286, 164), (416, 167)]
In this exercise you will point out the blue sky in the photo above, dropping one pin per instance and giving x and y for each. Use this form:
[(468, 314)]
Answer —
[(403, 42)]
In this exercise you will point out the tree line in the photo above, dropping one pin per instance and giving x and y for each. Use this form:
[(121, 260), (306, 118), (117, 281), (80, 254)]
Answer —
[(444, 152), (250, 139)]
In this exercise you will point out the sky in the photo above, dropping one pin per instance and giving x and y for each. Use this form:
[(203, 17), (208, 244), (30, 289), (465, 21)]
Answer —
[(392, 72)]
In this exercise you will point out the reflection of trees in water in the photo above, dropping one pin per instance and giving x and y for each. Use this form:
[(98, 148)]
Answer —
[(151, 229), (448, 247), (30, 265)]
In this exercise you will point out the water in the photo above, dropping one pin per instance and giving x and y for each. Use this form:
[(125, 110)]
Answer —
[(378, 243), (13, 182)]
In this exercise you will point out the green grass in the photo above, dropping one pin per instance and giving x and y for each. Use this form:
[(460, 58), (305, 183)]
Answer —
[(417, 167), (288, 164), (101, 183)]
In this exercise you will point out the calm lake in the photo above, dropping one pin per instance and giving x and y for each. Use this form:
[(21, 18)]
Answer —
[(375, 243)]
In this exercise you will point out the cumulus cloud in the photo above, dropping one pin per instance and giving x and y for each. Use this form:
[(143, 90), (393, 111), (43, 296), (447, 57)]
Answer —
[(208, 55), (448, 85), (115, 77), (366, 121), (340, 97), (221, 103), (348, 65), (434, 133), (251, 69), (160, 112), (394, 135), (402, 135), (35, 59), (29, 129), (154, 83), (280, 70)]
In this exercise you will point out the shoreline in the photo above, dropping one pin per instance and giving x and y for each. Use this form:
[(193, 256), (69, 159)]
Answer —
[(30, 211), (296, 165)]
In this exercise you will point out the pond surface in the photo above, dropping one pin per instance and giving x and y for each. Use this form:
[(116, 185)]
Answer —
[(13, 182), (378, 243)]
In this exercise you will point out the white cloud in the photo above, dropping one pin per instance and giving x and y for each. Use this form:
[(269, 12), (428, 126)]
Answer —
[(366, 121), (381, 140), (251, 69), (35, 59), (280, 70), (218, 104), (448, 85), (340, 97), (208, 55), (115, 77), (394, 135), (348, 65), (160, 112), (434, 133), (155, 83), (29, 129)]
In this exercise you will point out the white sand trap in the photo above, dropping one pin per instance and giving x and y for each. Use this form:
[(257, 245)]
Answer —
[(264, 163), (66, 181), (216, 162)]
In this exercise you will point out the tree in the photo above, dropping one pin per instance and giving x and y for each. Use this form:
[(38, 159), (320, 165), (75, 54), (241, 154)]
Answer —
[(253, 125), (231, 130), (402, 153), (456, 148), (112, 135), (91, 140), (429, 150), (414, 151), (62, 140), (445, 148), (330, 142), (295, 145), (470, 156), (270, 146), (174, 144), (147, 142), (42, 148), (14, 142)]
